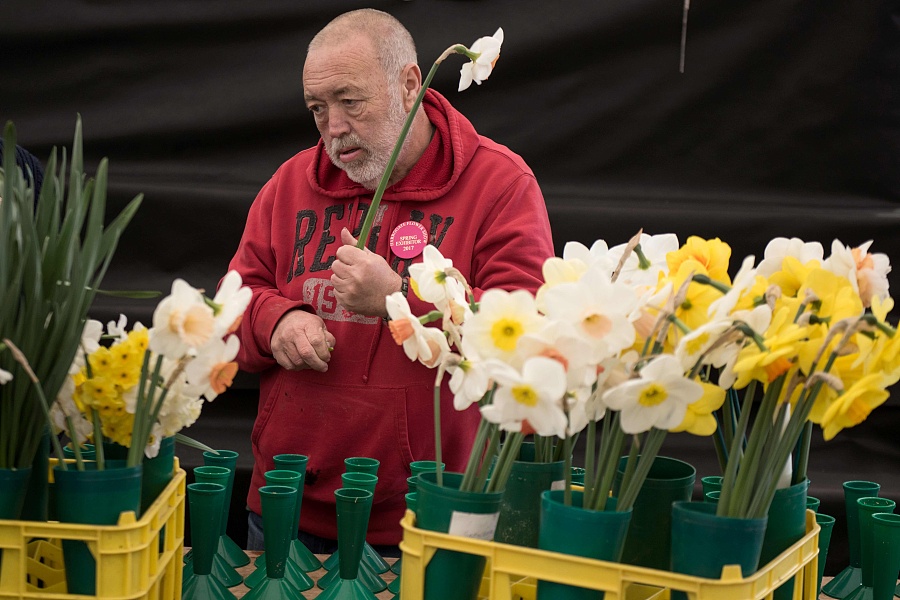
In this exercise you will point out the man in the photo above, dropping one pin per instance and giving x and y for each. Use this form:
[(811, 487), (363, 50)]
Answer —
[(333, 382)]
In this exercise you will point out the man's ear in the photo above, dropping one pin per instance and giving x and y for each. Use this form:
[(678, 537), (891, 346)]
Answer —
[(411, 78)]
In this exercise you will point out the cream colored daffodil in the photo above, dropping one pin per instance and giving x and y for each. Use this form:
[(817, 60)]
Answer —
[(535, 394), (182, 322), (743, 280), (598, 309), (779, 248), (5, 377), (866, 272), (658, 398), (484, 54)]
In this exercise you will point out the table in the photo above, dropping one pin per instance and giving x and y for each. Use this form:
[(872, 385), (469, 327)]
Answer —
[(240, 590)]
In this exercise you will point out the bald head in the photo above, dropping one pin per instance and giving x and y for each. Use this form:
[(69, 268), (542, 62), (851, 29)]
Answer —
[(393, 44)]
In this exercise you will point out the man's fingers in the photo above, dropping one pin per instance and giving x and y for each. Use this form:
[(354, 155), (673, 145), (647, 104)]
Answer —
[(347, 238)]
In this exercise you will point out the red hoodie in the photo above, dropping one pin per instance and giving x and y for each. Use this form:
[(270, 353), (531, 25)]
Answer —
[(482, 208)]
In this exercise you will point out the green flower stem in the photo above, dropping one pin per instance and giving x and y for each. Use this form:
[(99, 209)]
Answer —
[(478, 447), (490, 453), (438, 452), (590, 458), (631, 486), (643, 262), (98, 448), (382, 185), (567, 444), (681, 325), (705, 280), (76, 447), (142, 407), (735, 454), (508, 455), (431, 316), (609, 461), (803, 454)]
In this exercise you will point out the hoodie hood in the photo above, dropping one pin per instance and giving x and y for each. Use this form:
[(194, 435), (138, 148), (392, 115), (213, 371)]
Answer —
[(449, 153)]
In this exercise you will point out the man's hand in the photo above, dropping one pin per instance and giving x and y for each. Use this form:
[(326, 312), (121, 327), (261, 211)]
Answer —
[(362, 279), (301, 341)]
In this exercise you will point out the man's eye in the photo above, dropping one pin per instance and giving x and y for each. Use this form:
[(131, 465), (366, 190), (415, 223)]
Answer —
[(315, 108), (349, 103)]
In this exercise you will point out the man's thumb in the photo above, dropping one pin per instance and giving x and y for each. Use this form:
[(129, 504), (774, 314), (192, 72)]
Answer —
[(347, 238)]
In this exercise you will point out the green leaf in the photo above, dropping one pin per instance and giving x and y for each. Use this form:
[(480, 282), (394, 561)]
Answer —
[(183, 439)]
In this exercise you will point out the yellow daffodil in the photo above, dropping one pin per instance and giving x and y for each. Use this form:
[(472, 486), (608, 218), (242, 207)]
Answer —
[(780, 248), (792, 275), (712, 254), (693, 310), (699, 419), (853, 406), (781, 341)]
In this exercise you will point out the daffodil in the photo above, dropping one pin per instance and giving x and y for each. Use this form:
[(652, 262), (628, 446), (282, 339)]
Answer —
[(692, 310), (502, 319), (781, 343), (853, 406), (213, 369), (181, 322), (792, 275), (229, 303), (535, 395), (598, 309), (699, 420), (658, 398), (713, 255), (643, 269), (484, 54), (406, 328), (867, 272), (5, 377), (780, 248), (469, 381)]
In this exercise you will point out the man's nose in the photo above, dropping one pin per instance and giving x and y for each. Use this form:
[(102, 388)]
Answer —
[(338, 124)]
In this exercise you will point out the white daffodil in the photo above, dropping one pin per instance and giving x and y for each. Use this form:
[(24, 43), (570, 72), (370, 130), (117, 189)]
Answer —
[(213, 369), (692, 346), (90, 342), (406, 328), (744, 279), (779, 248), (437, 343), (182, 322), (866, 272), (5, 376), (486, 51), (535, 394), (559, 340), (575, 262), (64, 408), (230, 302), (429, 279), (644, 274), (468, 381), (502, 319), (658, 398), (118, 329), (599, 310)]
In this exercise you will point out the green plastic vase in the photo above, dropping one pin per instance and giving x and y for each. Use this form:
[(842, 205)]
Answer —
[(786, 525), (868, 506), (299, 553), (520, 509), (13, 488), (703, 542), (221, 568), (398, 564), (826, 526), (233, 554), (37, 495), (886, 552), (711, 483), (850, 577), (158, 472), (293, 573), (205, 503), (353, 508), (649, 537), (361, 464), (278, 503), (453, 575), (95, 498), (575, 530)]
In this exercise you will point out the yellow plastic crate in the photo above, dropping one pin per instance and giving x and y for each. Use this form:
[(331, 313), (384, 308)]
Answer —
[(132, 563), (512, 570)]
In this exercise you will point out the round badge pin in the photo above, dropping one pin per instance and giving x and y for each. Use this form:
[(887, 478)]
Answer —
[(409, 239)]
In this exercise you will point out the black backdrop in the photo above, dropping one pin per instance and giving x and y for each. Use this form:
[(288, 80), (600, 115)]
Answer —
[(786, 121)]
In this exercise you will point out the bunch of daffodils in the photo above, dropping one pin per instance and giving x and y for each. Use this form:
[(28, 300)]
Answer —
[(149, 384), (627, 343)]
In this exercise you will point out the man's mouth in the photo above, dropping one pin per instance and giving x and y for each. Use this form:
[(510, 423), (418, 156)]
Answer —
[(350, 154)]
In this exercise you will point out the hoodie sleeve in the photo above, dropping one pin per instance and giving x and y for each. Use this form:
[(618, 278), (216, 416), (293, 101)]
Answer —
[(514, 240), (255, 261)]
